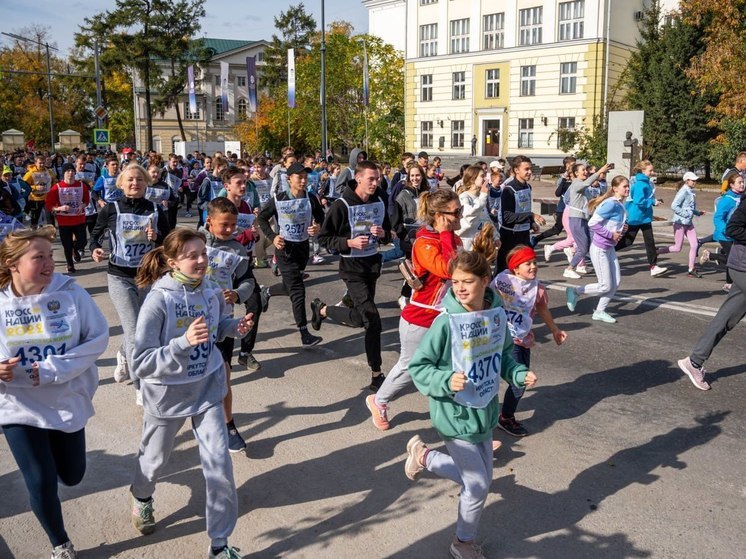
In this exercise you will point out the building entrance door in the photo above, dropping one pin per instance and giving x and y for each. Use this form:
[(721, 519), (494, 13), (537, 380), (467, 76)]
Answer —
[(491, 135)]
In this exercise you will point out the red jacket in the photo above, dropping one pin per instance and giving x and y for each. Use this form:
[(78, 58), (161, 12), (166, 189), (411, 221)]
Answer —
[(431, 254), (53, 200)]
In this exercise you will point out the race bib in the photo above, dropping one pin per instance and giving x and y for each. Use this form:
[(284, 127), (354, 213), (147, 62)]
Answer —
[(8, 224), (221, 265), (35, 327), (72, 197), (519, 299), (263, 189), (112, 192), (477, 340), (130, 241), (43, 183), (362, 217), (157, 195), (294, 219)]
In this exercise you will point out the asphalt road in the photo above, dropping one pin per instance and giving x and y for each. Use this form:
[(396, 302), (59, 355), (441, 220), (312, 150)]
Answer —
[(625, 458)]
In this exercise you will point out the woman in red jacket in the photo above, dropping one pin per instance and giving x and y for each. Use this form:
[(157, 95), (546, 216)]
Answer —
[(67, 201)]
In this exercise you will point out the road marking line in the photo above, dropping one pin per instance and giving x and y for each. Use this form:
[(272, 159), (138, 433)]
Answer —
[(651, 302)]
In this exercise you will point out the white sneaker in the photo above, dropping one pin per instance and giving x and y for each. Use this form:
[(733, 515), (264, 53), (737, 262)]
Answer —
[(569, 253), (570, 273), (656, 271), (317, 259), (548, 250), (581, 269), (121, 372), (138, 397), (64, 551)]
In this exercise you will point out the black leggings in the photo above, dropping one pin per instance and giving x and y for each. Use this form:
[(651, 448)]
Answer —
[(253, 305), (291, 269), (555, 229), (647, 235), (43, 456), (67, 232), (722, 258)]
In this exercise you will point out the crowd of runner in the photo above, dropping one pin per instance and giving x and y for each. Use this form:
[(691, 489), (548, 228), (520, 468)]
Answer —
[(469, 297)]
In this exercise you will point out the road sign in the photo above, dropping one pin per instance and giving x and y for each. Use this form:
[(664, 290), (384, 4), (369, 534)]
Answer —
[(100, 112), (101, 137)]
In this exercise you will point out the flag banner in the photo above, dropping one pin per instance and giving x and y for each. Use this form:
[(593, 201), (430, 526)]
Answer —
[(192, 93), (366, 90), (224, 86), (251, 81), (291, 78)]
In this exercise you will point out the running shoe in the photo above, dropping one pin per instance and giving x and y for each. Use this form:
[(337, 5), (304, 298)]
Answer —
[(347, 300), (260, 263), (548, 250), (376, 381), (316, 317), (694, 273), (656, 271), (227, 552), (248, 361), (142, 516), (76, 255), (727, 286), (697, 376), (121, 371), (570, 273), (273, 265), (187, 214), (496, 445), (317, 259), (264, 296), (309, 340), (603, 316), (138, 397), (64, 551), (416, 451), (235, 441), (569, 253), (572, 298), (71, 269), (378, 413), (511, 426), (704, 257), (581, 269), (465, 550)]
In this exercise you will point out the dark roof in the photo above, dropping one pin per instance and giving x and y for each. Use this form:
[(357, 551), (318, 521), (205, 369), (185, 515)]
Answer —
[(221, 46)]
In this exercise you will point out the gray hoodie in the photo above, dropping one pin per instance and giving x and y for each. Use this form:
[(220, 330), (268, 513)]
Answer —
[(68, 377), (347, 174), (181, 380), (575, 199)]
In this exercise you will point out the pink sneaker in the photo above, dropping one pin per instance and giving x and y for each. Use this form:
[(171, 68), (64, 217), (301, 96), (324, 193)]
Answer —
[(697, 376)]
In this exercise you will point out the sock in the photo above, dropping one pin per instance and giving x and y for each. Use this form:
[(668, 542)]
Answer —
[(695, 365)]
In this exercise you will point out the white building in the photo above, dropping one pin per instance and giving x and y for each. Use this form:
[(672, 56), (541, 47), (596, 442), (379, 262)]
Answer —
[(210, 123), (510, 72)]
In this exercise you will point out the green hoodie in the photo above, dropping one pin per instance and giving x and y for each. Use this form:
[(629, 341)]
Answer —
[(431, 370)]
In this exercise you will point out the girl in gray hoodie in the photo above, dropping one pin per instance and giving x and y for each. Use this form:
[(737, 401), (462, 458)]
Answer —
[(183, 377)]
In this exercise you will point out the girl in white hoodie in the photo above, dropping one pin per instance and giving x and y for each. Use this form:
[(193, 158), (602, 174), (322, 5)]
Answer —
[(473, 194), (51, 335)]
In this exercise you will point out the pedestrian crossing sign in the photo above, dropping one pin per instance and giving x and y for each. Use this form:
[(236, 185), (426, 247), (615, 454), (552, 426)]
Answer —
[(101, 136)]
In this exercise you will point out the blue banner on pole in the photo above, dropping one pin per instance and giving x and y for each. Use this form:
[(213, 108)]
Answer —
[(251, 81), (291, 78), (366, 89)]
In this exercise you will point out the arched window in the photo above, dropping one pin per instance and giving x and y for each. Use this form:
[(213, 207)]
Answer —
[(243, 108)]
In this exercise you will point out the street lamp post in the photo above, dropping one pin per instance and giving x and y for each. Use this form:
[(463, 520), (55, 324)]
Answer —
[(323, 83), (365, 90)]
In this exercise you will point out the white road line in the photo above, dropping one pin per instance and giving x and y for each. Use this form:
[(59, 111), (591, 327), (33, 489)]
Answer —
[(652, 302)]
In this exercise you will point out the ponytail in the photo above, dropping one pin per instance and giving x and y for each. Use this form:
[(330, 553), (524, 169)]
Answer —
[(484, 243), (471, 262), (154, 264)]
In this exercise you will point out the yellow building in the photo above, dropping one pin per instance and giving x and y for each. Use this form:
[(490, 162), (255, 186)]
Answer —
[(509, 73)]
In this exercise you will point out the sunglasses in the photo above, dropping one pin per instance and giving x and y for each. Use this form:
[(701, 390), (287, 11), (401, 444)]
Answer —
[(456, 213)]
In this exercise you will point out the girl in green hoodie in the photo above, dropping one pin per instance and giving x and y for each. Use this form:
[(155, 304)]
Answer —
[(458, 366)]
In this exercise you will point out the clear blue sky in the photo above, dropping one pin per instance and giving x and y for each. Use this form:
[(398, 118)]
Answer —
[(226, 19)]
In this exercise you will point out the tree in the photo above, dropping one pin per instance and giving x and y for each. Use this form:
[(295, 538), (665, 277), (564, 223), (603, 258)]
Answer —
[(676, 127), (721, 65), (296, 28), (593, 142)]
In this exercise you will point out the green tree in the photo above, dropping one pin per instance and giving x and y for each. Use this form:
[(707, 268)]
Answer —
[(676, 126), (296, 29), (593, 142), (731, 140)]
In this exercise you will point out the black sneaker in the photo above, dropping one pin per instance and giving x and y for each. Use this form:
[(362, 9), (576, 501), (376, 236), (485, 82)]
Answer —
[(694, 273), (376, 382), (511, 426), (316, 318), (264, 296), (235, 441), (273, 266), (77, 256), (309, 340), (243, 358), (71, 269)]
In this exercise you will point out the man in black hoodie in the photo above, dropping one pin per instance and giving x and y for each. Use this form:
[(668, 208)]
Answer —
[(354, 226)]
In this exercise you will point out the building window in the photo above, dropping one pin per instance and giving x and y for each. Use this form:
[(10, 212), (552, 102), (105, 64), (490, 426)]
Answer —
[(219, 114), (565, 124), (260, 56), (568, 77), (427, 87), (493, 26), (459, 35), (459, 85), (217, 80), (426, 139), (457, 133), (571, 20), (426, 2), (241, 81), (525, 132), (492, 81), (528, 81), (530, 26), (188, 115), (242, 109), (429, 40)]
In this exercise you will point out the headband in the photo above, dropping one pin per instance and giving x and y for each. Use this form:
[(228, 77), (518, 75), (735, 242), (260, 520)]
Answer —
[(525, 254)]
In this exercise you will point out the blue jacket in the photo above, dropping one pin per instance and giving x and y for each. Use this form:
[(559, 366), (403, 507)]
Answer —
[(684, 206), (724, 208), (641, 201)]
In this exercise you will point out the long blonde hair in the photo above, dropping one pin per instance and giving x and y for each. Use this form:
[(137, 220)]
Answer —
[(155, 263), (596, 202), (16, 244), (470, 176)]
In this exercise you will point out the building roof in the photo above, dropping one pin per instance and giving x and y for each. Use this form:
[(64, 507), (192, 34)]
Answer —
[(221, 46)]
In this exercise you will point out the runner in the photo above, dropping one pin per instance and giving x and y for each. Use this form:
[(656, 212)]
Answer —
[(183, 377), (68, 200), (354, 227), (517, 220), (298, 215), (105, 190), (458, 366), (48, 374), (684, 208), (473, 195), (40, 179)]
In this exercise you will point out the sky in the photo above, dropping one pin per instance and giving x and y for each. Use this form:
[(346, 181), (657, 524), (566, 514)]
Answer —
[(248, 20)]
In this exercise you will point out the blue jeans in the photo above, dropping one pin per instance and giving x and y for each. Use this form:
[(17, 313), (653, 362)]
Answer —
[(393, 253), (43, 456), (514, 394)]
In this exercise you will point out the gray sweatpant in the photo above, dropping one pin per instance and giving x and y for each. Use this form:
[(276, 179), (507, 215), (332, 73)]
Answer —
[(410, 336), (209, 430), (469, 465), (730, 313), (127, 299)]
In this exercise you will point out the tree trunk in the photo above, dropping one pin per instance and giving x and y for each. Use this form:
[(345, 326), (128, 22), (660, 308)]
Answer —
[(181, 124)]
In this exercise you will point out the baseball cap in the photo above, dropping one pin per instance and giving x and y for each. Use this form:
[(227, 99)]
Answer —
[(7, 171), (298, 168), (125, 151), (689, 176), (496, 165)]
